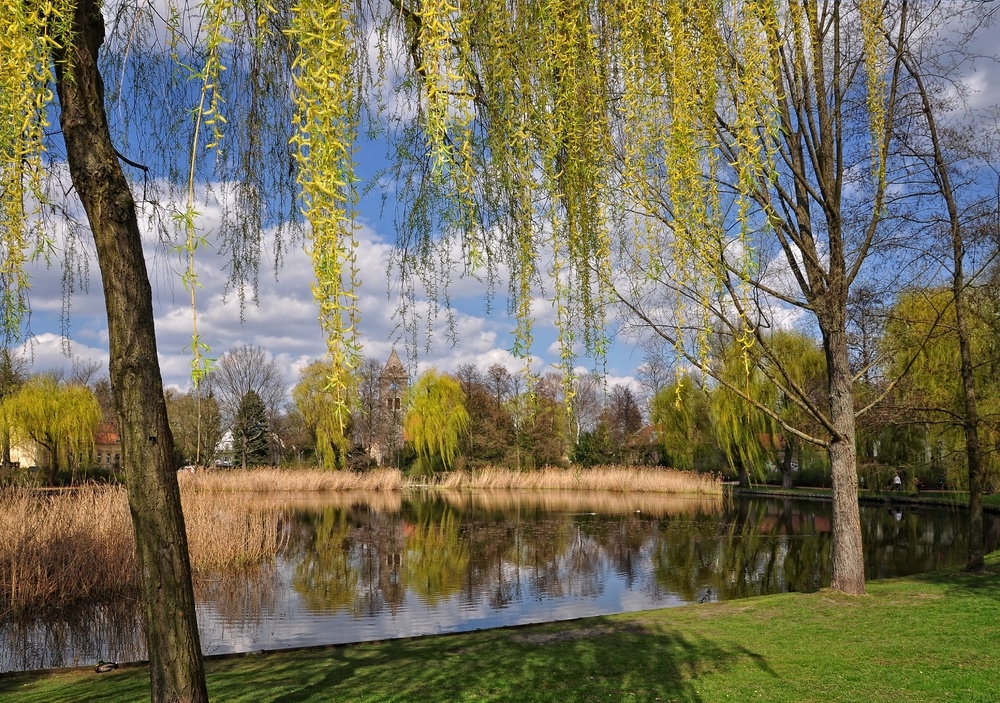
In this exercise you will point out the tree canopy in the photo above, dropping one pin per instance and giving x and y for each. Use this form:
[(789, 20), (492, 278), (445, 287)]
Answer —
[(715, 138), (62, 418), (436, 419)]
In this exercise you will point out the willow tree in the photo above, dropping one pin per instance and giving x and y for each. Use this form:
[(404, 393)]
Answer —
[(318, 406), (933, 333), (61, 418), (436, 420), (751, 408)]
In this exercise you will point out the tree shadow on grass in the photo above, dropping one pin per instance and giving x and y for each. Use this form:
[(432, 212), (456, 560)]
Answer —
[(593, 659), (956, 581), (585, 660)]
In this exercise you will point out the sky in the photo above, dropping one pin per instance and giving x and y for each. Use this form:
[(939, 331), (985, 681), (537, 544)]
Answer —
[(283, 320)]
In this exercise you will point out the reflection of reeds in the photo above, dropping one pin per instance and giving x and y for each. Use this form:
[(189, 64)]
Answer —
[(603, 502), (271, 480), (628, 479)]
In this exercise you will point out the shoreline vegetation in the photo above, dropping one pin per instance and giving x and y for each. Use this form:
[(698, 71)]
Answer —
[(788, 647), (61, 546), (604, 478)]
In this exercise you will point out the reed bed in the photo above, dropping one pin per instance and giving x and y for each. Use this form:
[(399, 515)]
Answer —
[(58, 547), (231, 533), (626, 479), (622, 479), (65, 546), (273, 480)]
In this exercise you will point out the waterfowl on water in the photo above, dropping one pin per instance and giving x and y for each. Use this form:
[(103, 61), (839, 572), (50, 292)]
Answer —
[(103, 666)]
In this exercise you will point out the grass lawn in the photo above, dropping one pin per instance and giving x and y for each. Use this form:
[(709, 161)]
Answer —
[(934, 637)]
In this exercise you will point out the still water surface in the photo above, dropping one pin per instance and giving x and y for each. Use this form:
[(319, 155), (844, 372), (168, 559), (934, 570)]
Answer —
[(372, 567)]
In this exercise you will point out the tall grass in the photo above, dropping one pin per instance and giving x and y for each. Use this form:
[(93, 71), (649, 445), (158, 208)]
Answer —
[(627, 479), (58, 547), (272, 480), (232, 532)]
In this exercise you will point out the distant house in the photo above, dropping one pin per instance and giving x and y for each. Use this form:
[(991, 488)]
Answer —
[(26, 454), (107, 448), (224, 451), (106, 453)]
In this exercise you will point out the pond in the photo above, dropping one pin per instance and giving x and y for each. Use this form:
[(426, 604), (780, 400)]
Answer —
[(357, 568)]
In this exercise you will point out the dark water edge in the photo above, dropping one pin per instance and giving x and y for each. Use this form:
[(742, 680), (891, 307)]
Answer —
[(434, 564)]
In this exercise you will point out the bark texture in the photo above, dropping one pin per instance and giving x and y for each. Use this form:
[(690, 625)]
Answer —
[(176, 672)]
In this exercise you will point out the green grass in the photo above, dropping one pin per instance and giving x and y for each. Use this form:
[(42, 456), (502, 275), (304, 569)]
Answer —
[(934, 637)]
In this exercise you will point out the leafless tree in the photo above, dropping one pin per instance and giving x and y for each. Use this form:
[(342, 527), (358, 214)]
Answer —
[(244, 369)]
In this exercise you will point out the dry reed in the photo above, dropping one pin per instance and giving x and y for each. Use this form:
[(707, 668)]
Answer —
[(60, 546), (272, 480), (626, 479), (234, 532)]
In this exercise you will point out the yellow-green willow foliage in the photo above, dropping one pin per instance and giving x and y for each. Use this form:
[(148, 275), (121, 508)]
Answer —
[(584, 117), (681, 414), (436, 419), (923, 322), (326, 108), (321, 412), (60, 417), (31, 32)]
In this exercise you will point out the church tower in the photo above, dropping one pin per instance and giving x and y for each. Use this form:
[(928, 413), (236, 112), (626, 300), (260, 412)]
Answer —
[(392, 393)]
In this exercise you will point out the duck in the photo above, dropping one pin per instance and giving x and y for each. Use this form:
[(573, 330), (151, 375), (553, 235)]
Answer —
[(103, 666)]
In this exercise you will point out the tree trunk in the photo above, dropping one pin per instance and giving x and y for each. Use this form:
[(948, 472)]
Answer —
[(176, 672), (786, 462), (848, 555)]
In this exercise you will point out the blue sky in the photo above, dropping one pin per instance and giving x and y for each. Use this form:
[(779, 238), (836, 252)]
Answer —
[(284, 319)]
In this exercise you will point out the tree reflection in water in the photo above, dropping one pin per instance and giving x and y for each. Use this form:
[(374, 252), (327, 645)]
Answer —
[(369, 567)]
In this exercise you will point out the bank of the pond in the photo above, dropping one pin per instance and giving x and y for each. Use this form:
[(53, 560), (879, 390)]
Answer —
[(991, 503), (933, 637)]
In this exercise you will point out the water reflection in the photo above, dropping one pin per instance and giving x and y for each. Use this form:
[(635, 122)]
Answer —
[(358, 569)]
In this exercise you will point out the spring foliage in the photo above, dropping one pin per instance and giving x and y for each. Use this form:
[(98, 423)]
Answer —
[(436, 419), (511, 116)]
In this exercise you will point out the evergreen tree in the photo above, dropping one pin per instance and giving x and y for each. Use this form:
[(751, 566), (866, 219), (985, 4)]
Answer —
[(250, 431)]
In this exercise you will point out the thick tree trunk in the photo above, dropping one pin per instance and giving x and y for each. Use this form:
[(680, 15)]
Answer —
[(176, 672), (848, 555)]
